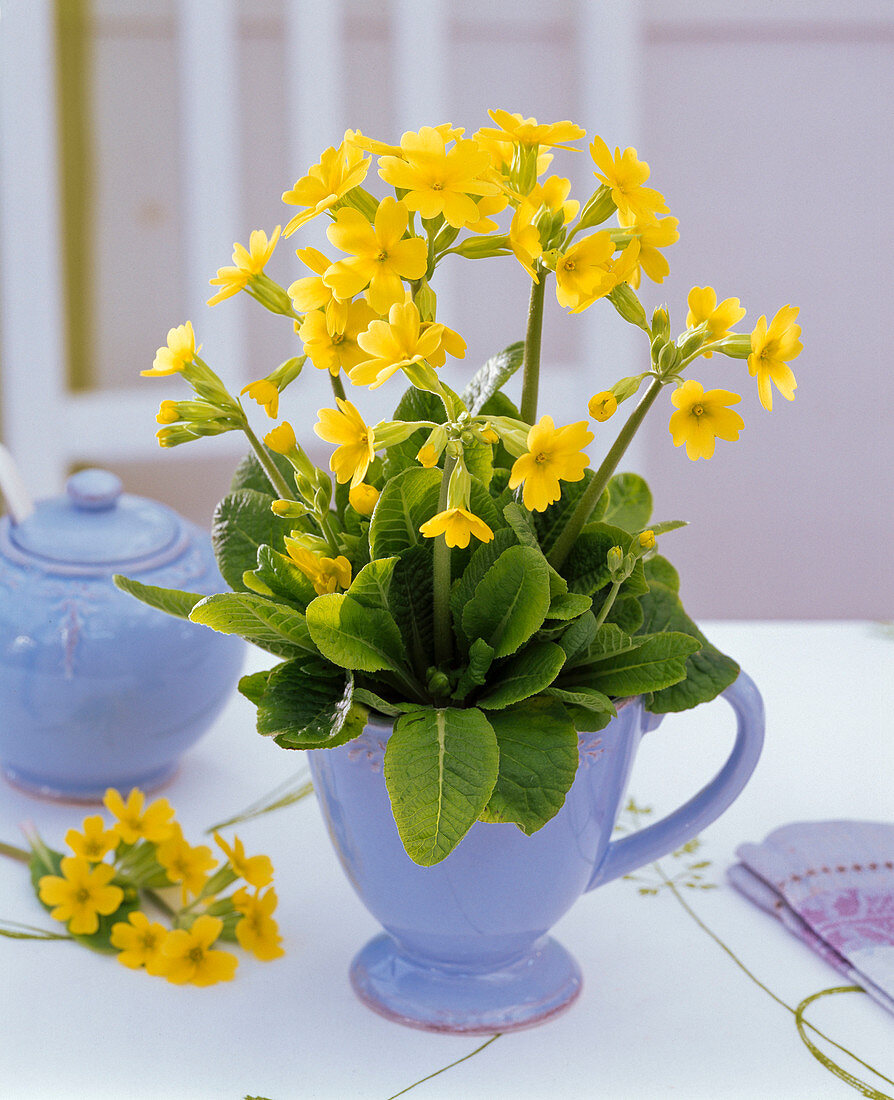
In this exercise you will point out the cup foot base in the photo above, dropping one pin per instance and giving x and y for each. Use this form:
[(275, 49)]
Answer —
[(86, 794), (525, 993)]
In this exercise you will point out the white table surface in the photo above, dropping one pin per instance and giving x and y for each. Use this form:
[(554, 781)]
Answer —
[(664, 1011)]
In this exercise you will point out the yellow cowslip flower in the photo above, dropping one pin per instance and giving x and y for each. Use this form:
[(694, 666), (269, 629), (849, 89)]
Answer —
[(487, 206), (258, 932), (651, 236), (312, 293), (81, 894), (602, 405), (167, 413), (185, 864), (428, 456), (180, 351), (265, 393), (248, 261), (501, 151), (703, 308), (393, 344), (439, 181), (447, 130), (701, 417), (527, 131), (582, 270), (553, 455), (363, 498), (524, 238), (449, 343), (624, 174), (189, 957), (336, 351), (154, 823), (281, 439), (139, 941), (339, 171), (355, 438), (552, 196), (457, 525), (379, 256), (326, 574), (647, 539), (256, 870), (95, 842), (620, 269), (771, 348)]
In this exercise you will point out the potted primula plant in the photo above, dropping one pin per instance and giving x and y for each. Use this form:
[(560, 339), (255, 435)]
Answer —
[(471, 622)]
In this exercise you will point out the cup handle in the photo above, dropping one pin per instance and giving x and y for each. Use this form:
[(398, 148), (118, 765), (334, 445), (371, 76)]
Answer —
[(630, 852)]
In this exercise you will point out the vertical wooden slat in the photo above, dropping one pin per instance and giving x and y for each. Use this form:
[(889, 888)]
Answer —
[(33, 314), (209, 84), (609, 36)]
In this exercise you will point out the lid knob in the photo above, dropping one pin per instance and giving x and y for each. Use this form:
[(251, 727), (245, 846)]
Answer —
[(94, 490)]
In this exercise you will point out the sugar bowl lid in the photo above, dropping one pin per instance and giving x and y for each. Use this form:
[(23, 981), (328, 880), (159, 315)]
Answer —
[(93, 526)]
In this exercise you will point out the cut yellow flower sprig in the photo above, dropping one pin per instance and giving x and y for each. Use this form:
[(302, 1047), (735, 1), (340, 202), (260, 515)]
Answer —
[(248, 263), (119, 875)]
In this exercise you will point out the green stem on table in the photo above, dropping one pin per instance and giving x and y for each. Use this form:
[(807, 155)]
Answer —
[(443, 633), (584, 508), (338, 387), (10, 850), (273, 475), (443, 1069), (533, 335), (795, 1012)]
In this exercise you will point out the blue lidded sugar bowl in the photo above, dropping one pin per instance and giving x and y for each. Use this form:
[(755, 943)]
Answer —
[(97, 689)]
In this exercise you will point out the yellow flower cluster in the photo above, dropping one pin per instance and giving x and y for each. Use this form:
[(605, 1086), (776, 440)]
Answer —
[(185, 882)]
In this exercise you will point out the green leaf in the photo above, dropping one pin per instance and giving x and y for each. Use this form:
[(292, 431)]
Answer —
[(492, 376), (586, 567), (528, 672), (570, 605), (666, 525), (482, 559), (538, 761), (657, 663), (353, 636), (256, 619), (577, 638), (171, 600), (308, 712), (283, 577), (371, 585), (375, 702), (550, 523), (660, 570), (249, 474), (510, 602), (411, 601), (626, 614), (479, 459), (254, 685), (407, 501), (708, 671), (519, 519), (440, 769), (481, 657), (242, 524), (630, 502), (588, 698)]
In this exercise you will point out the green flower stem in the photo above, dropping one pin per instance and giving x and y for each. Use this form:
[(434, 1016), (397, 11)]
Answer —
[(338, 387), (443, 1069), (443, 633), (273, 475), (587, 502), (531, 374), (609, 601), (12, 852), (159, 902)]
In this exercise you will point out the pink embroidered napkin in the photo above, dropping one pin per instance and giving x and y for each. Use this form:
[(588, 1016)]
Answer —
[(832, 884)]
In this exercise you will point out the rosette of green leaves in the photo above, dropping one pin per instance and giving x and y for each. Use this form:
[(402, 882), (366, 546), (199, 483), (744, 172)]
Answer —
[(491, 735)]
